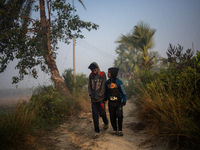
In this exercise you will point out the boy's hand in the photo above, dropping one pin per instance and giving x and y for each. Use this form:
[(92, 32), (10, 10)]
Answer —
[(123, 103), (103, 105)]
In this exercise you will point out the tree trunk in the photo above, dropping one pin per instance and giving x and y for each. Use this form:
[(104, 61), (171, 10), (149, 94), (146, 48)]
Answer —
[(58, 81)]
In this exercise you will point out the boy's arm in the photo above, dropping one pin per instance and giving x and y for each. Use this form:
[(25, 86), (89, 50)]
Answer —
[(123, 91), (102, 90), (106, 92), (89, 86)]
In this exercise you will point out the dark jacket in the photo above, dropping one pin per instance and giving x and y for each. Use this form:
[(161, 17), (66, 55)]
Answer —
[(96, 85), (114, 88), (118, 91)]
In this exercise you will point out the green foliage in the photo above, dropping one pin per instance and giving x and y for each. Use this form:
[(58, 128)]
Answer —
[(130, 88), (173, 111), (142, 78), (51, 105), (196, 60), (133, 51), (46, 109), (21, 35), (169, 99), (176, 55), (81, 80), (180, 64), (65, 22), (16, 125), (68, 79)]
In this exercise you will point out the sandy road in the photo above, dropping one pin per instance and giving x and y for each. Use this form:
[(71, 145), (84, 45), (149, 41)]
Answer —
[(78, 133)]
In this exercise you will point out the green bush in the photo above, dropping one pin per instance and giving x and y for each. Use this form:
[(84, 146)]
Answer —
[(81, 80), (16, 126), (46, 109), (170, 104), (51, 105), (132, 88), (143, 78), (170, 99), (69, 79)]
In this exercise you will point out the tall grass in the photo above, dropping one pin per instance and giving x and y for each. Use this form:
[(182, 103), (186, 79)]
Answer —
[(52, 107), (172, 112), (46, 109), (16, 125)]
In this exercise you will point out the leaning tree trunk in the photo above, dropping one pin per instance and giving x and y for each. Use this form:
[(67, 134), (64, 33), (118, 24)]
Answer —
[(58, 81)]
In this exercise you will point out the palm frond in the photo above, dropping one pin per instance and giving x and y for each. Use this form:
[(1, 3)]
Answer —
[(82, 3)]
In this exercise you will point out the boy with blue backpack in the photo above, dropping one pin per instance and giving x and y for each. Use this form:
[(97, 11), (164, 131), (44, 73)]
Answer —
[(115, 93)]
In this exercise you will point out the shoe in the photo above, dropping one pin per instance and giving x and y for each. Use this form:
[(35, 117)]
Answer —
[(114, 133), (96, 135), (120, 133), (105, 126)]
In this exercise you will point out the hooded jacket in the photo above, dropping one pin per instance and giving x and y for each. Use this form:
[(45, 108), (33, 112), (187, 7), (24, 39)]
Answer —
[(96, 85), (114, 88)]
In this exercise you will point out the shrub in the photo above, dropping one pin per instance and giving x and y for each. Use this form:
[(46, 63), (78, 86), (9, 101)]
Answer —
[(143, 78), (170, 105), (51, 105), (16, 125), (81, 80), (69, 79), (169, 99), (46, 109)]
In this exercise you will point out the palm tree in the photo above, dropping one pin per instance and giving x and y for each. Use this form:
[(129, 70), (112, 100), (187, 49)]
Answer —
[(164, 62), (82, 3), (157, 61), (133, 51), (143, 41), (126, 60), (119, 62)]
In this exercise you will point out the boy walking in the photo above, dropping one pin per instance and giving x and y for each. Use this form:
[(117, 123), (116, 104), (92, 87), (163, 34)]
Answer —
[(96, 89), (116, 95)]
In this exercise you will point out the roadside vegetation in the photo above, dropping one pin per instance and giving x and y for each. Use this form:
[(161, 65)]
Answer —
[(167, 89), (169, 105), (46, 109)]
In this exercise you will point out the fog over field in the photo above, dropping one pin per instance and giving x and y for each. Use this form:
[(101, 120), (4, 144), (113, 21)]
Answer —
[(10, 97)]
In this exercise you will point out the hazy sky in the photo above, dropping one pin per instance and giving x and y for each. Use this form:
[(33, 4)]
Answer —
[(175, 21)]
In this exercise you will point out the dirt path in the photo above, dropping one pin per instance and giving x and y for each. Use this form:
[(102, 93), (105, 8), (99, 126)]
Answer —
[(78, 133)]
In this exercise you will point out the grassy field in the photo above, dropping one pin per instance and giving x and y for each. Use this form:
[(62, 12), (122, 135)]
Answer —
[(24, 119), (9, 103), (9, 98)]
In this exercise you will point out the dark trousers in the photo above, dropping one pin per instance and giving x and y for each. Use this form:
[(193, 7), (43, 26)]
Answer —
[(116, 112), (96, 111)]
